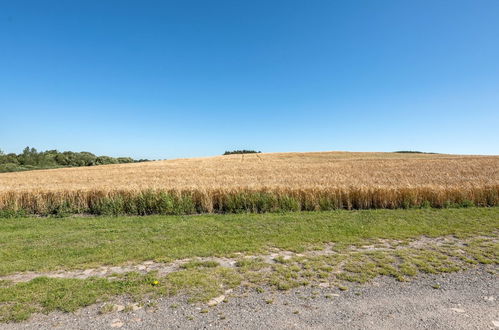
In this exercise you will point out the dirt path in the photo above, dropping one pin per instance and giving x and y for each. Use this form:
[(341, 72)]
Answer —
[(465, 300), (270, 258)]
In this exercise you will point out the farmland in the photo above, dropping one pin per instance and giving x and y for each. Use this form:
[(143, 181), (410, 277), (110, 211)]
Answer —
[(257, 183)]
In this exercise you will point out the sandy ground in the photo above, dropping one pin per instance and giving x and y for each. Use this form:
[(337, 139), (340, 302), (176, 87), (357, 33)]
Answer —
[(466, 300)]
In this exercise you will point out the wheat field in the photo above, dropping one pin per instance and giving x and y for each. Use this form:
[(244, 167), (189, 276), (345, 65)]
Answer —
[(258, 183)]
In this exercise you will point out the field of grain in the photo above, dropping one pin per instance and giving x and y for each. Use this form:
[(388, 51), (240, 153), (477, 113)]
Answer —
[(258, 183)]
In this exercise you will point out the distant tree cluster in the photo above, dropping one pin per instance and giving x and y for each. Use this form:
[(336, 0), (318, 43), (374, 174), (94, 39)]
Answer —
[(31, 159), (413, 152), (238, 152)]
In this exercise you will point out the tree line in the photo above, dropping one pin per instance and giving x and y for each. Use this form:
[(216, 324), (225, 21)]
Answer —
[(31, 159), (244, 151)]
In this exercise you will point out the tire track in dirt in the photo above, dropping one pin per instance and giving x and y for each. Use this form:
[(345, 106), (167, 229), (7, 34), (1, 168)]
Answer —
[(272, 257)]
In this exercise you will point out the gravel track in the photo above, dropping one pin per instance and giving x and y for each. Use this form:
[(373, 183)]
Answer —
[(464, 300)]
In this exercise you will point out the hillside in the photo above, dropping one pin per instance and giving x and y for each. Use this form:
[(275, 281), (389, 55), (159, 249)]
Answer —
[(259, 183), (272, 170)]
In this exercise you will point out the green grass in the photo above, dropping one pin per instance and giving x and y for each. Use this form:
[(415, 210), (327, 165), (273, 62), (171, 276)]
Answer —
[(199, 264), (42, 294), (42, 244)]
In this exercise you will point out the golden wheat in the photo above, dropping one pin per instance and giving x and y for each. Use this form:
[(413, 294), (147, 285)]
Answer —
[(312, 180)]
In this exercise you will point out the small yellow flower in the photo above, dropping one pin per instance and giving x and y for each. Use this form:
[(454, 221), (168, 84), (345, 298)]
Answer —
[(155, 282)]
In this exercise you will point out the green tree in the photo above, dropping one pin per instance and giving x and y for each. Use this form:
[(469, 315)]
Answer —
[(124, 160), (103, 160), (29, 156)]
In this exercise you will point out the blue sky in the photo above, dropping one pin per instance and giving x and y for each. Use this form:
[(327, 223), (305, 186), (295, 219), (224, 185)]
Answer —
[(168, 79)]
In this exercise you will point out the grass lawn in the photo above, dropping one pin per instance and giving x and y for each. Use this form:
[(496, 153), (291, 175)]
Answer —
[(40, 244), (43, 244)]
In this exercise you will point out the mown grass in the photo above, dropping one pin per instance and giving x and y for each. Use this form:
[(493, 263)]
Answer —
[(43, 294), (39, 244), (42, 244)]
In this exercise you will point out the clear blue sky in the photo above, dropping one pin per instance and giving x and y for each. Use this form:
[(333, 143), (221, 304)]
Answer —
[(167, 79)]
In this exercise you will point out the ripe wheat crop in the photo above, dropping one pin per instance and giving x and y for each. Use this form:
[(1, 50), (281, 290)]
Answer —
[(257, 183)]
